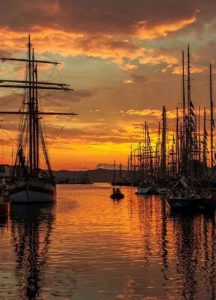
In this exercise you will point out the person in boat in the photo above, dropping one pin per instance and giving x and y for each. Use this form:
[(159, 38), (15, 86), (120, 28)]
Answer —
[(117, 194), (116, 190)]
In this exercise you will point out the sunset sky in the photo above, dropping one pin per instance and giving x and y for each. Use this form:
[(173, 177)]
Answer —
[(123, 59)]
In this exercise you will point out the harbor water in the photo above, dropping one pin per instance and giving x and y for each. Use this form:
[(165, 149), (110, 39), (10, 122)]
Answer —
[(89, 247)]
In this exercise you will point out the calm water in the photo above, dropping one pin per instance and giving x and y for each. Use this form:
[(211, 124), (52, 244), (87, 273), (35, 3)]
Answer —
[(87, 247)]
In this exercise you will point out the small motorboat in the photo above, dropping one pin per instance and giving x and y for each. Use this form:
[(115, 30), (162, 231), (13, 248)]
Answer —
[(116, 194)]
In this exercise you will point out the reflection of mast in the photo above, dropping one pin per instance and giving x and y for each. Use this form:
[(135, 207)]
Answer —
[(213, 263), (164, 253), (209, 252), (31, 229), (186, 252)]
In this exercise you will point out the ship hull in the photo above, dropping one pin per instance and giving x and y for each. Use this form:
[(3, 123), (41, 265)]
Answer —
[(162, 191), (146, 191), (116, 196), (178, 202), (32, 191), (143, 191), (182, 202)]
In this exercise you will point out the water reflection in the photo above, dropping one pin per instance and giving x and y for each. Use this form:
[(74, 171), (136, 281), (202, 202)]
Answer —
[(195, 245), (31, 228), (133, 249), (164, 241), (183, 246)]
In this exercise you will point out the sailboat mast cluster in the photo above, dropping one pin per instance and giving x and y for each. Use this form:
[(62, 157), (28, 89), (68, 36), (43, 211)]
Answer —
[(182, 156)]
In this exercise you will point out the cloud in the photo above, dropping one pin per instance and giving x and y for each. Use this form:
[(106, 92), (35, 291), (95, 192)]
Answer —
[(146, 32), (136, 79), (129, 67), (74, 27), (98, 46), (151, 113), (118, 17), (128, 81)]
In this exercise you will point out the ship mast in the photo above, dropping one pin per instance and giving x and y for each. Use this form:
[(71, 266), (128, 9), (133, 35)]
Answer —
[(184, 152), (212, 125), (204, 143), (177, 141), (163, 146), (191, 125), (158, 145), (30, 106), (183, 99), (189, 137), (199, 135)]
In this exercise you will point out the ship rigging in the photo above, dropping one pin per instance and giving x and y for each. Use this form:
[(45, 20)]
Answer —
[(29, 183)]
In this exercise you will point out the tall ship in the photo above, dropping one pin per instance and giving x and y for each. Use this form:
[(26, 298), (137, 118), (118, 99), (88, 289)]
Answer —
[(29, 182)]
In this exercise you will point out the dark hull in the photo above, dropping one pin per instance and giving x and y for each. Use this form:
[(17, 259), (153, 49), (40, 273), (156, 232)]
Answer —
[(146, 191), (209, 203), (117, 196), (180, 203)]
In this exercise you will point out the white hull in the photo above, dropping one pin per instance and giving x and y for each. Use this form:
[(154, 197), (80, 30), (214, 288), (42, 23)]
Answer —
[(32, 191)]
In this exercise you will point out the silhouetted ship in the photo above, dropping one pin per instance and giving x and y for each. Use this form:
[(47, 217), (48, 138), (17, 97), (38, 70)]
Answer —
[(29, 183)]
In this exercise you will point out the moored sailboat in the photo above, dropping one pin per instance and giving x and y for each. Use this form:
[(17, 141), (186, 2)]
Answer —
[(29, 183), (184, 193)]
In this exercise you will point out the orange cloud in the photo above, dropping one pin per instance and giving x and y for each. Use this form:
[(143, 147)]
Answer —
[(75, 44), (128, 81), (194, 70), (155, 57), (129, 67), (146, 32), (151, 113)]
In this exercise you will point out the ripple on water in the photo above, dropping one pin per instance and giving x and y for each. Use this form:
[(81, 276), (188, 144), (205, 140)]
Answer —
[(90, 247)]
